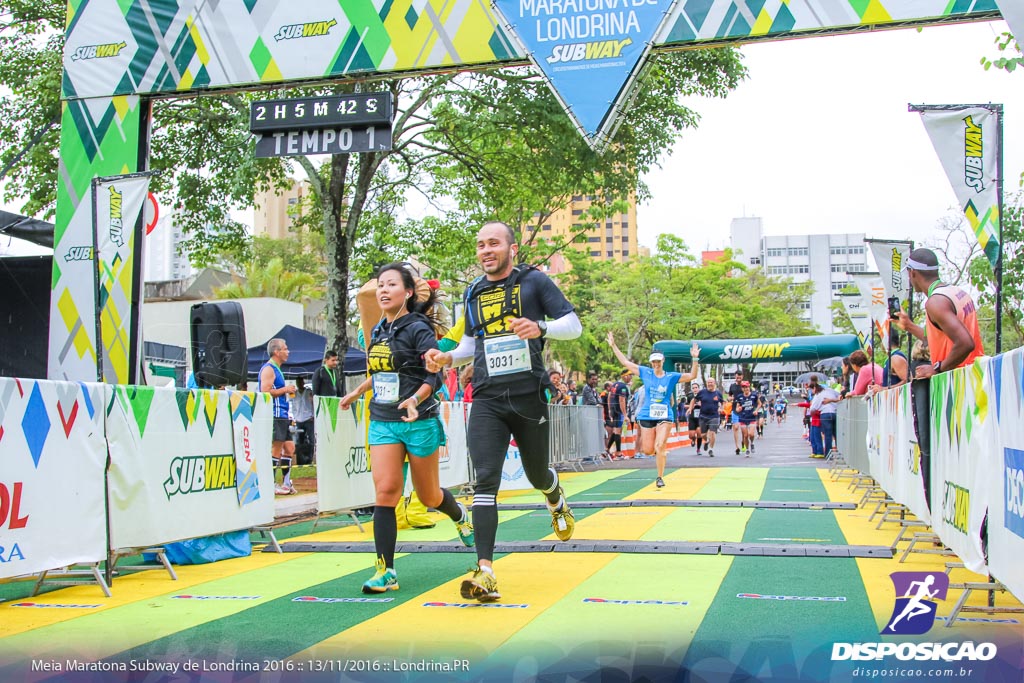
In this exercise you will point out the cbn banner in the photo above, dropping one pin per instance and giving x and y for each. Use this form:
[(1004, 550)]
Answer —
[(963, 430), (118, 204), (1004, 466), (872, 295), (173, 472), (896, 457), (52, 459), (856, 311), (247, 437), (967, 141), (343, 478)]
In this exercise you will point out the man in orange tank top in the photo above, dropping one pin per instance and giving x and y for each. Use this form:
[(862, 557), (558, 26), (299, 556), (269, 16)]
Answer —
[(951, 318)]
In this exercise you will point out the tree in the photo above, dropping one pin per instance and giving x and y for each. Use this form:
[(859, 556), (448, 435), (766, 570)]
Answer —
[(670, 296), (497, 140), (1013, 51), (511, 153), (270, 280)]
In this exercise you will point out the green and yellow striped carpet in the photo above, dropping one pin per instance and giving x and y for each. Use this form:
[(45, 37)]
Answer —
[(563, 615)]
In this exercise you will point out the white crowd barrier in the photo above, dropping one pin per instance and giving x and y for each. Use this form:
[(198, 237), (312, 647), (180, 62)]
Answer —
[(173, 468), (851, 428), (893, 451), (977, 460), (344, 481), (52, 457), (183, 464)]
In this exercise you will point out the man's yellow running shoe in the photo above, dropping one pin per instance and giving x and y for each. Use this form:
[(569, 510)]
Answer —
[(562, 520), (382, 581), (480, 586)]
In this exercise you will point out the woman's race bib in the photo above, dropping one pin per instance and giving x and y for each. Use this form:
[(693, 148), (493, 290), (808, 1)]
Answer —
[(658, 411), (506, 355), (385, 387)]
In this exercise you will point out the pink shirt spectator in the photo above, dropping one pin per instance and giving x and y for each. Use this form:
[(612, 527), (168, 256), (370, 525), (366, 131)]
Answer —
[(865, 377)]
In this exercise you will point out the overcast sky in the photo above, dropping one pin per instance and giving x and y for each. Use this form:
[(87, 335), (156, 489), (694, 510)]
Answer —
[(818, 139)]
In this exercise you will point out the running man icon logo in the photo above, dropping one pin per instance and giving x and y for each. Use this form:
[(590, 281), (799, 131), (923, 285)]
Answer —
[(916, 596)]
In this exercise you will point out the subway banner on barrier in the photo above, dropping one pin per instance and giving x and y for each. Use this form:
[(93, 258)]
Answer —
[(590, 52), (962, 430), (893, 450), (51, 475), (173, 472), (967, 140), (118, 203), (343, 478)]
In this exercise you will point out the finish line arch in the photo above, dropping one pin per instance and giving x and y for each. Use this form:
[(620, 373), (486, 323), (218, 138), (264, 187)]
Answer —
[(121, 53), (778, 350)]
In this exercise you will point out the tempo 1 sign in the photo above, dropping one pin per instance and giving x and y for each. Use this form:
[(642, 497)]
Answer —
[(342, 124), (284, 143)]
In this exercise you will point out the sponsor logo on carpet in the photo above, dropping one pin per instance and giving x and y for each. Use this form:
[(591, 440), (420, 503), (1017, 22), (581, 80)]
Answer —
[(981, 620), (54, 605), (809, 598), (917, 597), (310, 598), (473, 604), (216, 597), (611, 601)]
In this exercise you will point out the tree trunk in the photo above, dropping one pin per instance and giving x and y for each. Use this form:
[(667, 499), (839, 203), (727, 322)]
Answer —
[(338, 248)]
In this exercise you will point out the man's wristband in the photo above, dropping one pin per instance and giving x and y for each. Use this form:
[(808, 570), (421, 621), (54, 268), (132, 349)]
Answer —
[(937, 367)]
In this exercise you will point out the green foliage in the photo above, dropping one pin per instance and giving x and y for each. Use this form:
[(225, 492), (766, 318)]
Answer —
[(982, 278), (1009, 46), (31, 49), (670, 296), (270, 279), (507, 151)]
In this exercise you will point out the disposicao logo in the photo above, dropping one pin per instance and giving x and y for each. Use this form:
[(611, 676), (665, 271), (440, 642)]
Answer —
[(916, 606), (310, 29), (310, 598), (54, 605), (496, 605)]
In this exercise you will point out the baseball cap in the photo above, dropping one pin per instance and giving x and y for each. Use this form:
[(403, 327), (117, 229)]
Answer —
[(656, 355), (744, 383)]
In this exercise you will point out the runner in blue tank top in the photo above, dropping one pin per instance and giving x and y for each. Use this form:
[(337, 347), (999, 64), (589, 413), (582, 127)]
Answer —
[(282, 448), (657, 413)]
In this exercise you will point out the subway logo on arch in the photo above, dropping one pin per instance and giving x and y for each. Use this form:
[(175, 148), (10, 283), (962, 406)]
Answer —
[(1013, 488), (974, 155), (200, 473), (738, 351)]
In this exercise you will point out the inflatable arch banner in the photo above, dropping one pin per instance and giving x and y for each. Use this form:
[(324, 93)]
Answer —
[(119, 51), (781, 350)]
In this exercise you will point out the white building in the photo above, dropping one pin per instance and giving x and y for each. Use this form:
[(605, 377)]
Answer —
[(824, 260), (161, 254)]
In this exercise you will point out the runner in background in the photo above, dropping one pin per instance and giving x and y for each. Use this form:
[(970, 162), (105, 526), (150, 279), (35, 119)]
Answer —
[(744, 410), (657, 412), (708, 402), (693, 416)]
